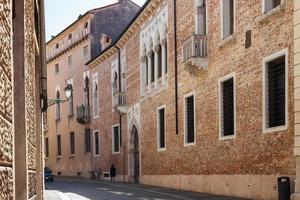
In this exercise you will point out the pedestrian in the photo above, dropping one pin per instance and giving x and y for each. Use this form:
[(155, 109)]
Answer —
[(112, 172)]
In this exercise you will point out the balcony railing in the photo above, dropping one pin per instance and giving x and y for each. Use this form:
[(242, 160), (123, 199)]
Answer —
[(83, 114), (119, 101), (194, 50)]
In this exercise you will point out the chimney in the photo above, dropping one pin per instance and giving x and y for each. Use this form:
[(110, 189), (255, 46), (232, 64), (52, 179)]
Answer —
[(105, 41)]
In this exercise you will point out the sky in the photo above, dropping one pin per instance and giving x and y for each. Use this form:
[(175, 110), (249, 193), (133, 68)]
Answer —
[(61, 13)]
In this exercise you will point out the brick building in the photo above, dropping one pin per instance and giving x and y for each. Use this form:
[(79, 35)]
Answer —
[(199, 95), (21, 69), (68, 124)]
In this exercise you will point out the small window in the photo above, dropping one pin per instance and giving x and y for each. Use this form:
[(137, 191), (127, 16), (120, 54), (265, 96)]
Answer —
[(85, 51), (87, 138), (159, 57), (47, 147), (70, 36), (116, 139), (227, 17), (189, 106), (57, 46), (86, 25), (275, 92), (270, 4), (97, 143), (227, 107), (70, 60), (58, 145), (72, 143), (56, 68), (161, 128)]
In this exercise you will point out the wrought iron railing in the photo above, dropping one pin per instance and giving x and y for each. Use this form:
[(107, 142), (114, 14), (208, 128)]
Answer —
[(83, 114)]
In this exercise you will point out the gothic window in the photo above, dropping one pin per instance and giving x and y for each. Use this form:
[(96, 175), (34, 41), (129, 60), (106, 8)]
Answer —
[(201, 17), (86, 90), (159, 56), (152, 66), (57, 106), (115, 83), (96, 100)]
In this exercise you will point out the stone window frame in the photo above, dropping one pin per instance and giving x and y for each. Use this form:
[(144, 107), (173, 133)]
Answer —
[(95, 82), (87, 51), (193, 93), (159, 149), (266, 60), (228, 38), (70, 61), (113, 139), (220, 81), (94, 143)]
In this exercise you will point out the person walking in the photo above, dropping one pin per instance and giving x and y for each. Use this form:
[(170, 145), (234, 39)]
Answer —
[(112, 172)]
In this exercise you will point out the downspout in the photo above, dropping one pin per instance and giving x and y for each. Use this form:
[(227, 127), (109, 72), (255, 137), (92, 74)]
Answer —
[(44, 101), (120, 116), (176, 66)]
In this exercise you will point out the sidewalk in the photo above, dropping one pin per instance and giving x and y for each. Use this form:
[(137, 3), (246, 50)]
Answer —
[(166, 192)]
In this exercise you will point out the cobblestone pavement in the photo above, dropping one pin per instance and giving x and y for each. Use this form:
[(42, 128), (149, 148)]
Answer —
[(78, 189)]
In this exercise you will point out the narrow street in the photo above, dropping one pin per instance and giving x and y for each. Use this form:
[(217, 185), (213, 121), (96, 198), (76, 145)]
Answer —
[(74, 189)]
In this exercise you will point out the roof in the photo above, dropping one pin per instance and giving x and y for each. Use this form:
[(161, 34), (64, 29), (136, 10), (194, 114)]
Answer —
[(80, 17), (121, 35)]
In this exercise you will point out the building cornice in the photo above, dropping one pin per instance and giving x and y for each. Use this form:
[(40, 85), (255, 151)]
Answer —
[(133, 27)]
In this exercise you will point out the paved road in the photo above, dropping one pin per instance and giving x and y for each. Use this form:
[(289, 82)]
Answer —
[(73, 189)]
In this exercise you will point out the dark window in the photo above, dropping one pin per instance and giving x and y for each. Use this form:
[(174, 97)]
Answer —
[(56, 68), (97, 143), (57, 46), (72, 143), (57, 105), (58, 145), (116, 146), (152, 67), (166, 57), (70, 36), (190, 119), (227, 107), (159, 55), (87, 139), (276, 92), (161, 128), (146, 63), (47, 147)]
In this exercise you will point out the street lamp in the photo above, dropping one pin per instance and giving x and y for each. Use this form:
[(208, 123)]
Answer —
[(46, 103)]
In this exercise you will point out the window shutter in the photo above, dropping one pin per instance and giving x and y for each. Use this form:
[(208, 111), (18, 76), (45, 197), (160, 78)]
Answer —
[(190, 129), (276, 92), (97, 150), (162, 128), (87, 140), (116, 139), (228, 107)]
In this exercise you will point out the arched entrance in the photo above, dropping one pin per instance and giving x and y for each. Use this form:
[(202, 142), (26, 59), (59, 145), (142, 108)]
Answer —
[(134, 155)]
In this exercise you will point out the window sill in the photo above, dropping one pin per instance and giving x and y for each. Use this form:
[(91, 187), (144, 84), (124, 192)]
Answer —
[(189, 144), (264, 17), (147, 94), (58, 157), (229, 137), (96, 117), (161, 149), (71, 115), (58, 119), (228, 40), (96, 155), (275, 129), (115, 153), (72, 155)]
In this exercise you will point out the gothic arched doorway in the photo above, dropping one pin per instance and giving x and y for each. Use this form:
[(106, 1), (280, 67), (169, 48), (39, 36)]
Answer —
[(134, 155)]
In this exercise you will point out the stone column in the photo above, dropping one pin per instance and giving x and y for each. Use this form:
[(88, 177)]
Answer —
[(296, 195), (156, 66), (164, 57), (149, 70)]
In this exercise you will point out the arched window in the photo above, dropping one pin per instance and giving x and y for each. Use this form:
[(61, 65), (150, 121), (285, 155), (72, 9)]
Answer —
[(96, 99), (57, 106), (146, 70), (159, 56), (70, 104), (86, 91), (115, 83), (166, 57)]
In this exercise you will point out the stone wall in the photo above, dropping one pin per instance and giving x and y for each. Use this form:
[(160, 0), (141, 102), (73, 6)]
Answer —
[(6, 132)]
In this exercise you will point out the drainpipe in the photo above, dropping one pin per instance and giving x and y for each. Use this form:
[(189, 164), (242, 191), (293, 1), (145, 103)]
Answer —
[(43, 84), (176, 66), (120, 116)]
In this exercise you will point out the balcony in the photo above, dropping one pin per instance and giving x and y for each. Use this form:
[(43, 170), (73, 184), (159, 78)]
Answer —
[(119, 102), (83, 114), (195, 54)]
